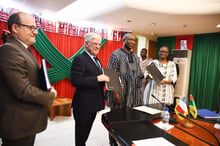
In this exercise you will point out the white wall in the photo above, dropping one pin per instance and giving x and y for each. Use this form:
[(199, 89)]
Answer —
[(142, 41)]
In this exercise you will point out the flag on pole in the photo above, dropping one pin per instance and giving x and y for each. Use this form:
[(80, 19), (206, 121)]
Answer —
[(192, 107), (181, 108)]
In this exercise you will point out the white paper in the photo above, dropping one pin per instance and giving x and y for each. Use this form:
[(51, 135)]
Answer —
[(164, 126), (147, 109), (217, 126), (157, 141)]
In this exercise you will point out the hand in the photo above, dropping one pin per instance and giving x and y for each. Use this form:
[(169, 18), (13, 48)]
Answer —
[(166, 82), (122, 86), (116, 98), (163, 82), (149, 76), (103, 78), (54, 91)]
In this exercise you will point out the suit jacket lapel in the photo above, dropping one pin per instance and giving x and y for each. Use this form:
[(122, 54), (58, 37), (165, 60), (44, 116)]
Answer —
[(25, 52), (91, 61)]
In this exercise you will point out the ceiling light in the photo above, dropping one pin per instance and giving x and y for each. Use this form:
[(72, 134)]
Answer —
[(184, 25), (153, 24), (153, 34), (218, 25)]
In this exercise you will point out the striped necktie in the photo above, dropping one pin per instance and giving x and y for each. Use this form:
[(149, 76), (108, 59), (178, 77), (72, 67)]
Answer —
[(97, 63)]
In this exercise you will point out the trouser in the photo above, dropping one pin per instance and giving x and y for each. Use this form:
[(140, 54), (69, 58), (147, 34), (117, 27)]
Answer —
[(83, 125), (26, 141)]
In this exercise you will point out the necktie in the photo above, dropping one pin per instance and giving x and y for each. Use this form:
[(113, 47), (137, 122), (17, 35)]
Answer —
[(29, 50), (98, 64)]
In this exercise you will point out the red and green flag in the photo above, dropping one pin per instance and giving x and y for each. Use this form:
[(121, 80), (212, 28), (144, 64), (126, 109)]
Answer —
[(192, 107)]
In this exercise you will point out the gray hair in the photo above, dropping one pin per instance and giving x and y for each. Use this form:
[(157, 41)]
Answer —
[(127, 35), (91, 35)]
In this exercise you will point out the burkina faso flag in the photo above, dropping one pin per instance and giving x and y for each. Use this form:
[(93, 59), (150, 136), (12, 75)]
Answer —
[(192, 107)]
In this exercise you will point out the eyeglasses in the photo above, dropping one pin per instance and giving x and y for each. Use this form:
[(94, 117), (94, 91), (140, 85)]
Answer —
[(31, 27), (163, 52)]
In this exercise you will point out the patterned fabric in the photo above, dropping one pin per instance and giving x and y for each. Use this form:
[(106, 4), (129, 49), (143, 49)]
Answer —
[(143, 65), (163, 92), (128, 68)]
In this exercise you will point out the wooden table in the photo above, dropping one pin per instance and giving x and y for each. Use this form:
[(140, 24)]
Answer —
[(195, 136), (61, 107), (126, 125)]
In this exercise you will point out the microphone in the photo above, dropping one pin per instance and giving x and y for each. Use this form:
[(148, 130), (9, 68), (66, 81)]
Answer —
[(172, 119), (200, 127), (171, 109)]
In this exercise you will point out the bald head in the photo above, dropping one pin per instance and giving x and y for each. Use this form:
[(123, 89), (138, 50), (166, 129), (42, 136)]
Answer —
[(22, 27)]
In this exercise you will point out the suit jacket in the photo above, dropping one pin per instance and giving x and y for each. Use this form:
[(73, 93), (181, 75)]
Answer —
[(89, 94), (23, 105)]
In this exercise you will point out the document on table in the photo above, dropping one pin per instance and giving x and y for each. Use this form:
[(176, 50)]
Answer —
[(164, 126), (147, 109), (157, 141)]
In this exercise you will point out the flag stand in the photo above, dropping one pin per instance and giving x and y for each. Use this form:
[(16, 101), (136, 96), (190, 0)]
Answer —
[(181, 110), (187, 124)]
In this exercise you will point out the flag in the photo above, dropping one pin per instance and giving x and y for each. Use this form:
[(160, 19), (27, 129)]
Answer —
[(5, 13), (83, 31), (115, 35), (181, 107), (72, 29), (104, 33), (39, 21), (62, 27), (192, 107), (121, 35), (50, 26)]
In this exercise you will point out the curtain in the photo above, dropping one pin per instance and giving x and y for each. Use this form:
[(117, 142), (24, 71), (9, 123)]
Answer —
[(204, 82), (68, 46), (61, 64), (166, 41)]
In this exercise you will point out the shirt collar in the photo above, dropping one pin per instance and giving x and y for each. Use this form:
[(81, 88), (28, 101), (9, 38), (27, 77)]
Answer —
[(89, 54), (26, 46)]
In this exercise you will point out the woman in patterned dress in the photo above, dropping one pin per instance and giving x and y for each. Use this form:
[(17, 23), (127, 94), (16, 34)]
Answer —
[(164, 91)]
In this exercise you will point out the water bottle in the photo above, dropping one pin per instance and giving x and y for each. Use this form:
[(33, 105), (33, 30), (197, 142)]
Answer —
[(218, 118), (217, 124), (166, 116)]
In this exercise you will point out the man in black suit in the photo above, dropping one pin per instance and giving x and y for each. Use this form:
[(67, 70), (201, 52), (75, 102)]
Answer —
[(87, 77), (23, 103)]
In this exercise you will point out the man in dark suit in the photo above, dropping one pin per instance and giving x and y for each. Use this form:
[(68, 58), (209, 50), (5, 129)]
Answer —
[(23, 103), (87, 77)]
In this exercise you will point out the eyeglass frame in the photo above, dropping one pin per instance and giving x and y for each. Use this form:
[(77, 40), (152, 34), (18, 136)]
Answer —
[(163, 52), (31, 27)]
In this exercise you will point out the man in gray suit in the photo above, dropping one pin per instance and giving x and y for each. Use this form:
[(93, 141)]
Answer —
[(23, 103)]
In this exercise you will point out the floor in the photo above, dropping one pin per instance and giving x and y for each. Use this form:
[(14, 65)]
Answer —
[(60, 132)]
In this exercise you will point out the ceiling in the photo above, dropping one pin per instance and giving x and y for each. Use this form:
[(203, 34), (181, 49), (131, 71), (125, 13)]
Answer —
[(151, 18)]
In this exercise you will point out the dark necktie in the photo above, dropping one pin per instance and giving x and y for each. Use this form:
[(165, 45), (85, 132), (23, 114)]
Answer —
[(97, 63)]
